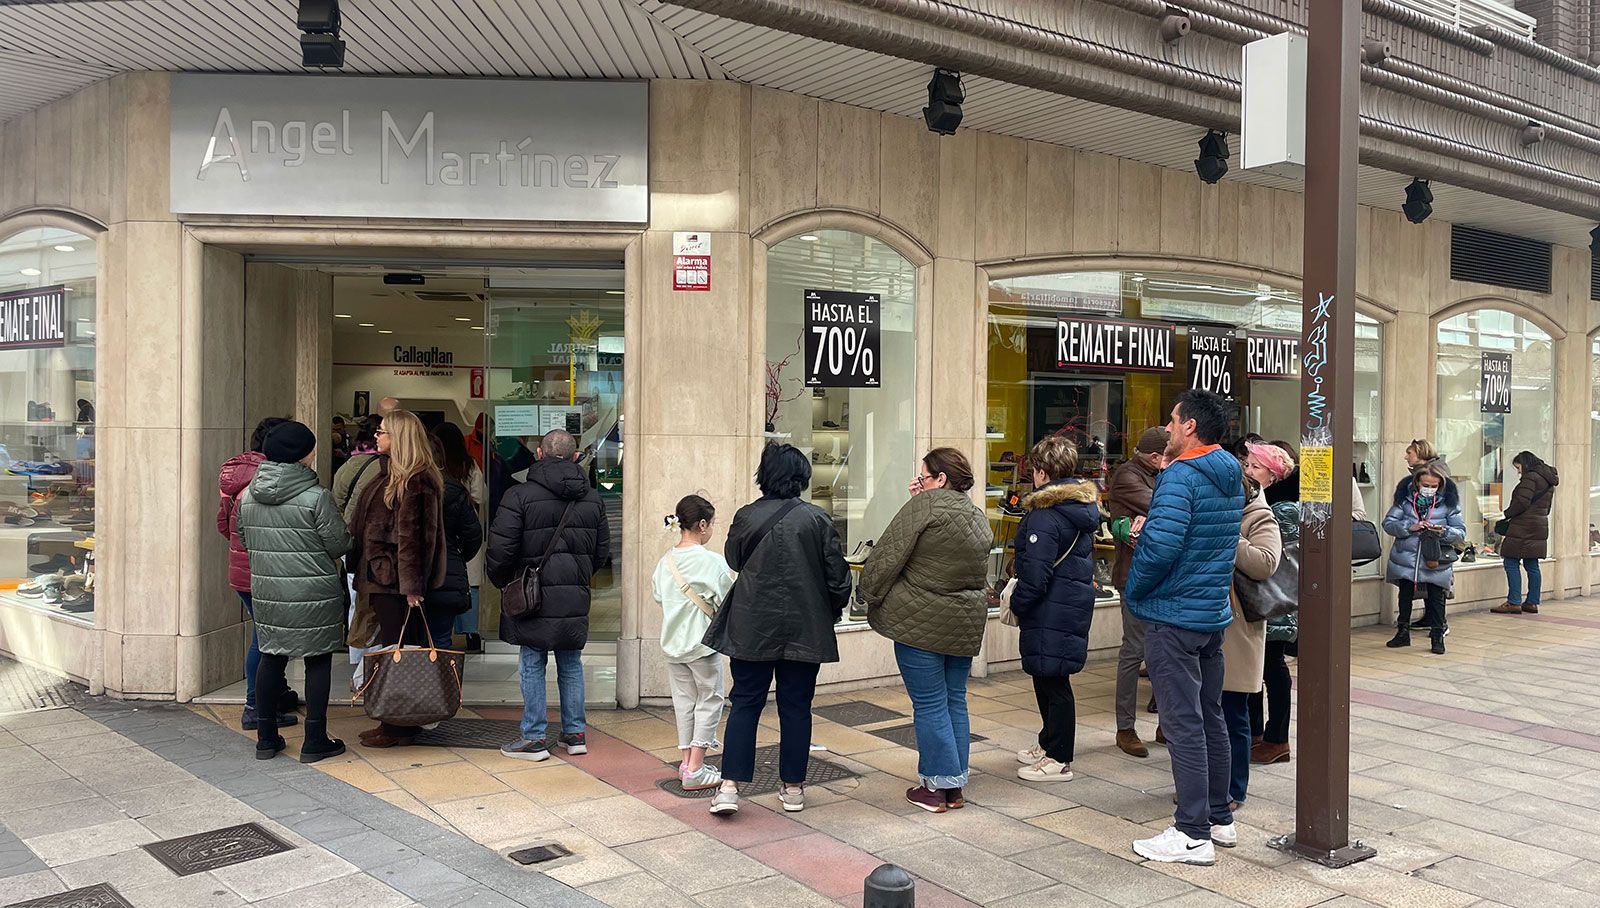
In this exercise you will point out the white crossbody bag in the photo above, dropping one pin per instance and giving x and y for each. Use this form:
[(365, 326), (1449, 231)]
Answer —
[(685, 588)]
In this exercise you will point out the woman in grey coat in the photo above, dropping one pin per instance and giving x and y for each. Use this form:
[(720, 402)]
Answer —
[(1426, 524), (295, 536)]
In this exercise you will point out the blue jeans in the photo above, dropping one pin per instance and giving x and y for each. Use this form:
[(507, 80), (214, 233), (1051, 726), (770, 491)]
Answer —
[(1236, 711), (569, 682), (252, 656), (937, 685), (1514, 580), (467, 621), (1186, 672), (440, 623)]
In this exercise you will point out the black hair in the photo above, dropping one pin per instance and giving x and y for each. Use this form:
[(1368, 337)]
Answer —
[(784, 472), (1527, 460), (692, 509), (1209, 412), (367, 430), (456, 463), (259, 437)]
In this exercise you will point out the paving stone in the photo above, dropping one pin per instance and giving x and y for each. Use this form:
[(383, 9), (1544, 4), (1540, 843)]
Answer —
[(497, 818), (1249, 883), (196, 818), (24, 886), (356, 889), (32, 797), (620, 820), (370, 849), (767, 893), (265, 877), (591, 863), (864, 826), (125, 870), (991, 831), (1382, 886), (1110, 878), (90, 842), (63, 817), (1490, 849), (422, 878), (636, 890), (324, 824), (1515, 889), (1053, 897), (693, 862), (198, 891), (142, 802), (965, 869)]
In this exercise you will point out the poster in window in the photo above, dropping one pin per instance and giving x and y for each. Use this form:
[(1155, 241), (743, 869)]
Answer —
[(1273, 357), (1213, 361), (1496, 383), (843, 339), (31, 319), (1114, 346)]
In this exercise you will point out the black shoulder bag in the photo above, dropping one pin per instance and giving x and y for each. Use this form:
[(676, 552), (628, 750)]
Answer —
[(525, 596)]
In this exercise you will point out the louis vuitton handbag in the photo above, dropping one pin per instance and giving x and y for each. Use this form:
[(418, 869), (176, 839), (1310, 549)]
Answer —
[(413, 685)]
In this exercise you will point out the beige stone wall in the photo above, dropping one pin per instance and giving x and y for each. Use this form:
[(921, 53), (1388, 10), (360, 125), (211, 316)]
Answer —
[(196, 346)]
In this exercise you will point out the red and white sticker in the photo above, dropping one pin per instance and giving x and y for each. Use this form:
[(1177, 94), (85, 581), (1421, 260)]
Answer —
[(691, 261)]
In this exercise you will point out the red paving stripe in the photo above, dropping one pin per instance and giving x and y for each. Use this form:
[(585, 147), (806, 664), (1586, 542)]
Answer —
[(819, 861), (1450, 713)]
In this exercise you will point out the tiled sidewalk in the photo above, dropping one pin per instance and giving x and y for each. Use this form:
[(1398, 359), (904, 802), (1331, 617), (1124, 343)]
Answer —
[(1476, 775)]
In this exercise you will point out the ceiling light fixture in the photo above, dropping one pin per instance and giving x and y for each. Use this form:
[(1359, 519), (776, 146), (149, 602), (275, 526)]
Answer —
[(1212, 165), (477, 327), (342, 315), (945, 97), (30, 272), (808, 237), (320, 46), (384, 331), (1419, 201), (1263, 297), (364, 325), (619, 292), (462, 318), (1139, 278), (65, 248)]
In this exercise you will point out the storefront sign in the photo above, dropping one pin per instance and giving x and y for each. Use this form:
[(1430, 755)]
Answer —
[(476, 384), (33, 318), (1272, 356), (337, 146), (691, 261), (1116, 346), (1099, 292), (1496, 383), (1316, 474), (516, 421), (1212, 362), (843, 342)]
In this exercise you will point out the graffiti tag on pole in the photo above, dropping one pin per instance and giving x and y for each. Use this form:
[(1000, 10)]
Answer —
[(1316, 443)]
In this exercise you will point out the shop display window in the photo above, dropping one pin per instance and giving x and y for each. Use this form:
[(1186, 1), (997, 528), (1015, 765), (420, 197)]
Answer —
[(1483, 421), (1100, 357), (47, 421), (841, 375), (1594, 446)]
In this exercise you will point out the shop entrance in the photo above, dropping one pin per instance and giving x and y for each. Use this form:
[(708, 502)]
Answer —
[(499, 354)]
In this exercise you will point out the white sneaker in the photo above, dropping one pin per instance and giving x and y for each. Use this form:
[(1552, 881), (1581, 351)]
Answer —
[(1225, 836), (793, 798), (1046, 770), (1030, 756), (725, 802), (707, 776), (1173, 847)]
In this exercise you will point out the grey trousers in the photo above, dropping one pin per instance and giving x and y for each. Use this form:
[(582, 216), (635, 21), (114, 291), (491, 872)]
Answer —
[(697, 699), (1128, 662), (1186, 672)]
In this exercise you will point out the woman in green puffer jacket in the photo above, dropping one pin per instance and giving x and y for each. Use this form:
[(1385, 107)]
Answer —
[(923, 585), (295, 536)]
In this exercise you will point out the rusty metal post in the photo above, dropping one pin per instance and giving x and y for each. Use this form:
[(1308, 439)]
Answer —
[(1327, 376)]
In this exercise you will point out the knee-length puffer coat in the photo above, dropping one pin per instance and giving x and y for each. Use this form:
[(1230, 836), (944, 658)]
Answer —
[(293, 532), (1054, 603), (1529, 513), (1405, 554)]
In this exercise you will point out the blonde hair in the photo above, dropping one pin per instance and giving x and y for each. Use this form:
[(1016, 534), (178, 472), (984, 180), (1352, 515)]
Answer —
[(1423, 449), (1055, 456), (410, 454)]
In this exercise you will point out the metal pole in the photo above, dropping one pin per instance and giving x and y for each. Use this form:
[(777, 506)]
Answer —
[(1322, 779)]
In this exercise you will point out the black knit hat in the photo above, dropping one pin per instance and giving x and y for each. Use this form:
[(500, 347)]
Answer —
[(289, 442)]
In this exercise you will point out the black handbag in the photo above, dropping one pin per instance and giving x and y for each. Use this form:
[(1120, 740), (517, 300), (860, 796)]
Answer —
[(1501, 526), (1364, 545), (1275, 596), (1435, 554), (525, 596)]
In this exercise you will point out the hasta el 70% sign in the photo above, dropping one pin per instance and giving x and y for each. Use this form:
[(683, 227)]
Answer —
[(843, 339)]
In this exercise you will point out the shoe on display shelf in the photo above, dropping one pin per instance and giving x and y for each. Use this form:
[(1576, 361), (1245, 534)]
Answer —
[(859, 556)]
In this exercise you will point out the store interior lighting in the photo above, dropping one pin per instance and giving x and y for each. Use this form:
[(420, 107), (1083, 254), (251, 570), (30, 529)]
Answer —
[(318, 21)]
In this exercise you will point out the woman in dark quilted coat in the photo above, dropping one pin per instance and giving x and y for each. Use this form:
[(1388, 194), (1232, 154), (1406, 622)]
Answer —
[(1054, 599), (923, 585), (1527, 538)]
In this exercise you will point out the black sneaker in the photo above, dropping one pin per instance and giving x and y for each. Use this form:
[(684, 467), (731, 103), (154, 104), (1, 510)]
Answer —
[(1438, 644), (574, 744), (474, 643), (532, 751)]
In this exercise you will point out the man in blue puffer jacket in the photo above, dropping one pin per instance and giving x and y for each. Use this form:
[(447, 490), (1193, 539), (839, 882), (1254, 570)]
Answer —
[(1178, 585)]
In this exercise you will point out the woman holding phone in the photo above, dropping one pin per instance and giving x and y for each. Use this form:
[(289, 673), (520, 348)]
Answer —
[(1426, 524)]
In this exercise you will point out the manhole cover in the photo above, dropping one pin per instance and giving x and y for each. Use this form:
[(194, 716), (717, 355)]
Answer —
[(217, 848), (818, 772), (100, 895), (906, 735), (857, 712), (540, 854), (24, 689), (480, 733)]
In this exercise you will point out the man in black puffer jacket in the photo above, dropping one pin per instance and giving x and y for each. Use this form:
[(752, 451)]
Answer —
[(524, 528)]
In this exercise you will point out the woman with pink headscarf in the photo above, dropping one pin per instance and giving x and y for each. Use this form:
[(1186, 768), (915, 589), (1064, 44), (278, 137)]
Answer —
[(1273, 466)]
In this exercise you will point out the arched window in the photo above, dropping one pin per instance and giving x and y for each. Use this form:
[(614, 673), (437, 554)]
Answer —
[(1496, 397), (47, 420), (841, 379)]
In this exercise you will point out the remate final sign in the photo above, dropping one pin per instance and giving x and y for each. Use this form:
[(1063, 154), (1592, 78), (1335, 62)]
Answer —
[(33, 318), (1117, 346)]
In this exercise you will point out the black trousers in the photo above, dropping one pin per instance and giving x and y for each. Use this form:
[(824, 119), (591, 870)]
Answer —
[(797, 685), (1433, 605), (391, 610), (270, 683), (1058, 712)]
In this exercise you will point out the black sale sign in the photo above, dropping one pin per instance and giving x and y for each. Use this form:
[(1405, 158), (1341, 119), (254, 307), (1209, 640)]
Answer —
[(1496, 383), (843, 339), (1213, 361), (33, 318)]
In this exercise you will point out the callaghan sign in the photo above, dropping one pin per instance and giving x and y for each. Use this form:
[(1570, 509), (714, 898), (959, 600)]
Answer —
[(343, 146)]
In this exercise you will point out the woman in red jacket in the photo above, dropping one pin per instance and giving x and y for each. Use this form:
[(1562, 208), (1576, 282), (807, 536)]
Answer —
[(231, 483)]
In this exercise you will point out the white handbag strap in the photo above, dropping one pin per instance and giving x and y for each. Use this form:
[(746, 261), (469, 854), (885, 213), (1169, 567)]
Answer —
[(688, 590)]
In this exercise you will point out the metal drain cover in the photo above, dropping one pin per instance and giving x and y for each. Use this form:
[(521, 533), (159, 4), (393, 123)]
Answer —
[(479, 733), (100, 895), (906, 735), (818, 772), (856, 713), (539, 854), (218, 848)]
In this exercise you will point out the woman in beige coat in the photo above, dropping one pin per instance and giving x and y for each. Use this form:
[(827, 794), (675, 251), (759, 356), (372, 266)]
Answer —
[(1244, 643)]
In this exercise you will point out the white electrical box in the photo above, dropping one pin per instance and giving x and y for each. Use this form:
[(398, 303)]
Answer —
[(1273, 133)]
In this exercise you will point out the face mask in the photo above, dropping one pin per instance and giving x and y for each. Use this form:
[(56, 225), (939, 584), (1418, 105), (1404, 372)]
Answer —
[(1426, 494)]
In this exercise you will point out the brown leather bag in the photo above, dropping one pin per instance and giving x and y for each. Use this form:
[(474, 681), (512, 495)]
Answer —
[(413, 685)]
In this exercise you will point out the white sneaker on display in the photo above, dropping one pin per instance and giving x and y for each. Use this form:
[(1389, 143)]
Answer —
[(1225, 836), (1030, 756), (1173, 847)]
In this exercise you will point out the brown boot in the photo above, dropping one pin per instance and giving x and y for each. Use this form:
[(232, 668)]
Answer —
[(1128, 740), (1256, 740), (1161, 737), (1264, 754), (1529, 609), (1507, 608)]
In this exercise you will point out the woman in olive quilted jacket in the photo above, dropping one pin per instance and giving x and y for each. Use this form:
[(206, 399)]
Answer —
[(923, 585)]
